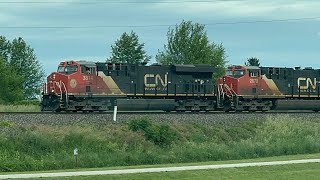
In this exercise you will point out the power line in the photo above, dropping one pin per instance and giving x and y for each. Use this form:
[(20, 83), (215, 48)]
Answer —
[(113, 2), (156, 25)]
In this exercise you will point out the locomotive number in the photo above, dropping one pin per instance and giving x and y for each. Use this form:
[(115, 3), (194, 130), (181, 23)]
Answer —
[(87, 78), (254, 81)]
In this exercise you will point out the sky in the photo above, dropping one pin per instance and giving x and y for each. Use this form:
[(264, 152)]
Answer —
[(282, 33)]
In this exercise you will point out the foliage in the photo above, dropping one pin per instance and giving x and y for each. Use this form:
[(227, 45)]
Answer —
[(48, 147), (4, 48), (10, 83), (253, 61), (19, 108), (188, 43), (161, 135), (24, 61), (23, 71), (8, 124), (127, 49)]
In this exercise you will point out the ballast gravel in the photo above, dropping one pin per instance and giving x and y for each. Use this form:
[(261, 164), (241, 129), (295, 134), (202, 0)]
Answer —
[(102, 119)]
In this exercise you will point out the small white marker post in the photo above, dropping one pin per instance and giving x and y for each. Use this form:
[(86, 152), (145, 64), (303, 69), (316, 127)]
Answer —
[(115, 113), (75, 153)]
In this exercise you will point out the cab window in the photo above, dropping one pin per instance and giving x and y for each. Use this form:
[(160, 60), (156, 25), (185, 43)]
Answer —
[(67, 69), (238, 73), (61, 69), (229, 73), (71, 69), (254, 73), (87, 70)]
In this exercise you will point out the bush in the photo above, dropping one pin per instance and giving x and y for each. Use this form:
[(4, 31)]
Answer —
[(162, 135)]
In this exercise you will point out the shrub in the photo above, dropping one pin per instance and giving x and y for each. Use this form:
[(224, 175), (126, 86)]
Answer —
[(162, 135)]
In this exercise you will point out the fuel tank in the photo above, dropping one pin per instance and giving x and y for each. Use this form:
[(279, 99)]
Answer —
[(146, 104), (298, 105)]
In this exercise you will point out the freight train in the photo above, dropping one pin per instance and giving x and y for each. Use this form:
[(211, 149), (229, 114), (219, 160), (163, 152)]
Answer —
[(94, 86)]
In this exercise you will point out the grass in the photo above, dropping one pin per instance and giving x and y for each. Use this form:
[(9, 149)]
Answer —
[(19, 108), (143, 142), (266, 159), (294, 171)]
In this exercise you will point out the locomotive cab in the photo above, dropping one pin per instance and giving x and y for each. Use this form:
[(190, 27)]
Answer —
[(72, 77), (242, 80)]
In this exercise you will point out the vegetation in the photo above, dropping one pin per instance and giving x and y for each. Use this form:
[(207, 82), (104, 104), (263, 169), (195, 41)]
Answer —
[(292, 171), (21, 72), (188, 43), (127, 49), (11, 89), (44, 147), (253, 61), (19, 108)]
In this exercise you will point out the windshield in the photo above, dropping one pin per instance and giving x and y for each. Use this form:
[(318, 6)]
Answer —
[(67, 69), (235, 73), (238, 73), (229, 73), (60, 69)]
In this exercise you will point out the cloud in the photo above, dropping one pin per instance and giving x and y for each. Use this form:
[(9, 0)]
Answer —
[(246, 8)]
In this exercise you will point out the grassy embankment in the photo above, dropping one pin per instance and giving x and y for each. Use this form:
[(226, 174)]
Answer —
[(142, 141), (24, 106)]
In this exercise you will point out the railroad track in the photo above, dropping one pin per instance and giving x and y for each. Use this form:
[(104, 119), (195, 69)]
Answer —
[(162, 112)]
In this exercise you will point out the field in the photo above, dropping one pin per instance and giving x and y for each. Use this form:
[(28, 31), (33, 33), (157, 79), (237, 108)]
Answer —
[(19, 108), (144, 142), (296, 171)]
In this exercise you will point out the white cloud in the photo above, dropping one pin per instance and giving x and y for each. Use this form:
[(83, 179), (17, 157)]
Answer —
[(246, 8)]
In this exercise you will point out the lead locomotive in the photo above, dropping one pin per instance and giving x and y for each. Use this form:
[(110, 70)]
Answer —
[(89, 86)]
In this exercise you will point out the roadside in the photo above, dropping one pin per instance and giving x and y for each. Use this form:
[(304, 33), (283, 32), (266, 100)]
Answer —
[(152, 170)]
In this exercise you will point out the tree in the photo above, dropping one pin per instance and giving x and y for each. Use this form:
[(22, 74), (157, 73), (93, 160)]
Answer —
[(23, 60), (127, 49), (10, 83), (4, 48), (188, 43), (253, 61)]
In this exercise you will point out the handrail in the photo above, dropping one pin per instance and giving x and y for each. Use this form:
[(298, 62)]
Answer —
[(66, 91)]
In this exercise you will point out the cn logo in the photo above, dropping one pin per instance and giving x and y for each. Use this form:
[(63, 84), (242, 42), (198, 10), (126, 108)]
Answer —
[(306, 83), (154, 80)]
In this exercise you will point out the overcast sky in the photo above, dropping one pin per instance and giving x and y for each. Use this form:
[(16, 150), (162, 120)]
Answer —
[(285, 43)]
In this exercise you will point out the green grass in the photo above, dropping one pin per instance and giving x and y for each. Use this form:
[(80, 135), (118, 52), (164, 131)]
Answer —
[(296, 171), (19, 108), (43, 147), (266, 159)]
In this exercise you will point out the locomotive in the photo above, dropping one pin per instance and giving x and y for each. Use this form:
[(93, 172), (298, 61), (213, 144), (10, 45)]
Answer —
[(272, 88), (89, 86), (93, 86)]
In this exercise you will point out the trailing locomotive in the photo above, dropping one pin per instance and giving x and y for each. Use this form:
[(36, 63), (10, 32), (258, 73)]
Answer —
[(89, 86), (272, 88)]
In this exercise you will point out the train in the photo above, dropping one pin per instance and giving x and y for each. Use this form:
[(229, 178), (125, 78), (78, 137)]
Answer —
[(100, 86)]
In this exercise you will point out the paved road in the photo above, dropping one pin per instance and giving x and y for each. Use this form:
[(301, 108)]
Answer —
[(149, 170)]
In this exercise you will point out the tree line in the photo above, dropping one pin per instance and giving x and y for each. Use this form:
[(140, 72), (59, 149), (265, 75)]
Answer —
[(21, 74)]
